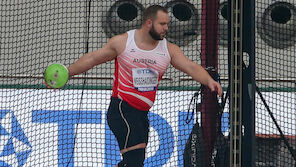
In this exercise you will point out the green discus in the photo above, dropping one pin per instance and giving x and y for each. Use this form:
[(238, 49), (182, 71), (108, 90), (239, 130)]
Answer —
[(56, 75)]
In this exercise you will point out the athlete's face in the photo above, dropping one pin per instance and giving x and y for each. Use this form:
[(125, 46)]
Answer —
[(159, 26)]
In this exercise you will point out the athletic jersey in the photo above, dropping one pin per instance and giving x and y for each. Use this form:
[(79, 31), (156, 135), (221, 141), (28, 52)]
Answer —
[(138, 72)]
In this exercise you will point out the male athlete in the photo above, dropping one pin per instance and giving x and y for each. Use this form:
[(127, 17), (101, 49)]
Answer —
[(141, 59)]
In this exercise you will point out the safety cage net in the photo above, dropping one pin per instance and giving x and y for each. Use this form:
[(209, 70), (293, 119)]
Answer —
[(68, 127)]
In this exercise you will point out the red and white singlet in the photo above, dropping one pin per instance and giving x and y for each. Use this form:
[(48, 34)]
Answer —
[(138, 72)]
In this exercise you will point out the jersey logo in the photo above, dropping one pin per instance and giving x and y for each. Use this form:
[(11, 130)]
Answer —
[(161, 54)]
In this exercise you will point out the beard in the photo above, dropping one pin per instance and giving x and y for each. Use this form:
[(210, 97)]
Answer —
[(156, 36)]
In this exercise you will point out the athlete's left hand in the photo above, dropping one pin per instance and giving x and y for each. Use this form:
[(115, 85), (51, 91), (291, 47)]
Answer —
[(215, 87)]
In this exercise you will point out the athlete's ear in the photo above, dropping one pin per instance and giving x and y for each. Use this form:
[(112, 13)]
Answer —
[(149, 23)]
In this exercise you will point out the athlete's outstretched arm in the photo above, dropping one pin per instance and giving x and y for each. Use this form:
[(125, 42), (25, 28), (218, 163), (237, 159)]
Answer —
[(107, 53), (196, 71)]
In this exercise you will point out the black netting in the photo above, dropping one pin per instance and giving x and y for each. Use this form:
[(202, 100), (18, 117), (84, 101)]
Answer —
[(275, 74)]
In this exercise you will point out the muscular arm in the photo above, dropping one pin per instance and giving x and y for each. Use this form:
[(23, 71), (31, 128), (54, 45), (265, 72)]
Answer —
[(197, 72), (107, 53)]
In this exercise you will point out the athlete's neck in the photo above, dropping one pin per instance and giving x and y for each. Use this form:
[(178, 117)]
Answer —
[(143, 36)]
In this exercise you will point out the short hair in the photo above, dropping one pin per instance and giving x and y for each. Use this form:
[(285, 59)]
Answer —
[(151, 12)]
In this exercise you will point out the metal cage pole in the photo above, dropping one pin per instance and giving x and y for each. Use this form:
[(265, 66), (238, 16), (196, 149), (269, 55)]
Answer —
[(209, 60), (236, 68)]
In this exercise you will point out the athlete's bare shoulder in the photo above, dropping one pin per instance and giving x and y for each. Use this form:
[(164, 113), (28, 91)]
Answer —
[(118, 42), (173, 48)]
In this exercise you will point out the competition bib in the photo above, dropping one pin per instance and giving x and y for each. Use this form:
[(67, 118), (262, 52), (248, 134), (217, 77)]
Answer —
[(145, 79)]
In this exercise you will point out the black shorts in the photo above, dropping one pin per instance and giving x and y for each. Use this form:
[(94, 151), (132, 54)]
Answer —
[(129, 125)]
